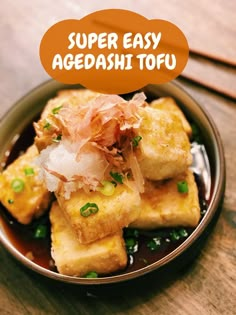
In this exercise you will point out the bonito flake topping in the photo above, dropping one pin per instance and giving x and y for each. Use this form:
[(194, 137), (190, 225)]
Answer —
[(94, 139)]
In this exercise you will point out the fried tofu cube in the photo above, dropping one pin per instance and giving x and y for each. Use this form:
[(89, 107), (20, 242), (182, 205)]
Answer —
[(45, 129), (72, 97), (162, 205), (115, 212), (75, 259), (21, 192), (164, 151), (168, 104)]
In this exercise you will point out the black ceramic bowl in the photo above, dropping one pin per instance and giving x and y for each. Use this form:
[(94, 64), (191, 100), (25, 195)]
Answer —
[(30, 106)]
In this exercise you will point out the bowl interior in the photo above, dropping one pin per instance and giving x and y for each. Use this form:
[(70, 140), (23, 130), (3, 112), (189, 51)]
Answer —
[(25, 110)]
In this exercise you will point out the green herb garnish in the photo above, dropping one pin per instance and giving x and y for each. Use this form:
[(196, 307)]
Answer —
[(56, 110), (135, 141), (91, 274), (29, 171), (57, 139), (183, 233), (108, 188), (17, 185), (182, 187), (10, 201), (117, 177), (174, 235), (47, 125), (154, 244), (41, 231), (131, 245), (88, 209), (131, 233)]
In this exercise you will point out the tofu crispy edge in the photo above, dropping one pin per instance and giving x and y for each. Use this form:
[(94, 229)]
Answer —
[(115, 212), (34, 200), (171, 209), (72, 258)]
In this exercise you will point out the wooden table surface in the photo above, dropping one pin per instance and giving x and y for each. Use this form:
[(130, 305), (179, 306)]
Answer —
[(208, 286)]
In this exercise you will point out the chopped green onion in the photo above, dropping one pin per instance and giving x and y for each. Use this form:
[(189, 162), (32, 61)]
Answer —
[(117, 177), (161, 234), (88, 209), (108, 188), (91, 274), (183, 233), (17, 185), (56, 110), (136, 140), (10, 201), (29, 171), (41, 231), (131, 245), (154, 244), (182, 187), (57, 139), (130, 242), (174, 235), (131, 233), (47, 125)]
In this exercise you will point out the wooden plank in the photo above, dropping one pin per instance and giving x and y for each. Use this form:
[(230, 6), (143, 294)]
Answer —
[(210, 26), (214, 75)]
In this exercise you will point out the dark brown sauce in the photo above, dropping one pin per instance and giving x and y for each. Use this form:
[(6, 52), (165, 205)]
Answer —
[(22, 237)]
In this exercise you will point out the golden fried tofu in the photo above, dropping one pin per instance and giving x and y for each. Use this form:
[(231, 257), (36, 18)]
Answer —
[(72, 97), (164, 151), (21, 192), (46, 131), (115, 212), (162, 205), (168, 104), (74, 259)]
